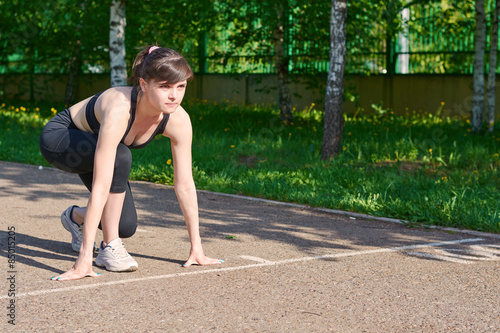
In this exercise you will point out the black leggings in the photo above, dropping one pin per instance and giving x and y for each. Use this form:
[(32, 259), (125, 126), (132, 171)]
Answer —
[(72, 150)]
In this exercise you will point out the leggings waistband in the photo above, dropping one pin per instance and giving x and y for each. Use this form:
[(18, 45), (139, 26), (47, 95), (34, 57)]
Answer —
[(62, 119)]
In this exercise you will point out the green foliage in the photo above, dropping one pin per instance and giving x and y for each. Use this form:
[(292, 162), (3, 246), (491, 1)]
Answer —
[(418, 167), (22, 122), (236, 36), (43, 33), (177, 24)]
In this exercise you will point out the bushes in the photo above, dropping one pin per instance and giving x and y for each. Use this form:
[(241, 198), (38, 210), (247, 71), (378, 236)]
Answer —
[(416, 167)]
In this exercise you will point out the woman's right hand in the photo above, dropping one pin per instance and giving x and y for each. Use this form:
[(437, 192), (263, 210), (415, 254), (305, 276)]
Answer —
[(82, 268)]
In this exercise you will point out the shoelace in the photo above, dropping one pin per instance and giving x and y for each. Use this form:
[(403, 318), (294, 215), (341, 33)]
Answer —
[(120, 252)]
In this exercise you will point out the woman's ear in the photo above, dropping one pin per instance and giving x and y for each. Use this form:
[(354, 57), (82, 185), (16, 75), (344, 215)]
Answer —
[(142, 84)]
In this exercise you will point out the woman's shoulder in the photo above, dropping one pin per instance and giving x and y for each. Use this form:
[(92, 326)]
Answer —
[(117, 95), (178, 125), (180, 114), (179, 119), (115, 98)]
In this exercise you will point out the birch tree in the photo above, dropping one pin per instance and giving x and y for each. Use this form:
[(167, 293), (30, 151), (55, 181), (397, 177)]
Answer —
[(334, 121), (117, 25), (490, 93), (478, 76)]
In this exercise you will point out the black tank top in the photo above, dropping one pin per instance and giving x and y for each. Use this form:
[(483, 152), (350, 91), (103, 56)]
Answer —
[(95, 126)]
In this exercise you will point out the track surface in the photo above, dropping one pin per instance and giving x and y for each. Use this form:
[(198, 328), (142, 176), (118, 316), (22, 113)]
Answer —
[(287, 269)]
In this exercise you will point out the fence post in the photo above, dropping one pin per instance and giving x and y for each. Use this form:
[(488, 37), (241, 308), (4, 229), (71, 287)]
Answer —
[(202, 62), (389, 75), (389, 56), (202, 52)]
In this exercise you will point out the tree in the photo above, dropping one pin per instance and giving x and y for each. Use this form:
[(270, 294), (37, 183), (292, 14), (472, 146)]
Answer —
[(25, 26), (478, 78), (490, 93), (76, 59), (334, 122), (282, 62), (117, 23), (263, 26), (186, 30)]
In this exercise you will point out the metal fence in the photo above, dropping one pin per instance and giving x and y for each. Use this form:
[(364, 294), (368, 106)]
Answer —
[(423, 45)]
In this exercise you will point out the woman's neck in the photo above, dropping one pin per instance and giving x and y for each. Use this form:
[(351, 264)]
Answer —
[(144, 108)]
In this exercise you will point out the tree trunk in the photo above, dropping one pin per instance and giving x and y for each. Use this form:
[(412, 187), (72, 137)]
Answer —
[(31, 68), (74, 71), (117, 24), (281, 59), (75, 62), (478, 80), (490, 93), (334, 121)]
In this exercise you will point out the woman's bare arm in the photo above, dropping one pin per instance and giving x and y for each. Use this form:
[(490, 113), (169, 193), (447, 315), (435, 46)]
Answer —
[(113, 112), (179, 131)]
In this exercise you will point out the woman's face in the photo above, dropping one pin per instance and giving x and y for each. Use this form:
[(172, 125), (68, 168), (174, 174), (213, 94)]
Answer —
[(162, 95)]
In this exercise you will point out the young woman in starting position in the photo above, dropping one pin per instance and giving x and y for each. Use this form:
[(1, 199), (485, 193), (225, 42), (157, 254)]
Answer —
[(93, 138)]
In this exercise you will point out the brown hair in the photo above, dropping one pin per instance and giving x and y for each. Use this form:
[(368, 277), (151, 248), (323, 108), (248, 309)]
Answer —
[(161, 64)]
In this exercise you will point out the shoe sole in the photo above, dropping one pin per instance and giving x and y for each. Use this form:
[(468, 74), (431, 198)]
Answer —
[(64, 216)]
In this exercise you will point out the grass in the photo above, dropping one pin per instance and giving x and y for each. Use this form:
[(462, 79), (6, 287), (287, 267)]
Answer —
[(417, 167)]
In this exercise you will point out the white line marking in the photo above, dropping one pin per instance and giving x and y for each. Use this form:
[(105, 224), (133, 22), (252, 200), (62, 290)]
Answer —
[(237, 268), (257, 259), (491, 248), (438, 257), (475, 255)]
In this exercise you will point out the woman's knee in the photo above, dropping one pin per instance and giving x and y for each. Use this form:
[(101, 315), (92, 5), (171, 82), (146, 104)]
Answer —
[(127, 231), (123, 157), (128, 218), (123, 163)]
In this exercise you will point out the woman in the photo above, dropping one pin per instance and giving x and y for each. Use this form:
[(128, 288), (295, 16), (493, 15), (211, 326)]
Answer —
[(92, 138)]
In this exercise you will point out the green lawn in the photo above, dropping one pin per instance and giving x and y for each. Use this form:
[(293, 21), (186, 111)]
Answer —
[(416, 167)]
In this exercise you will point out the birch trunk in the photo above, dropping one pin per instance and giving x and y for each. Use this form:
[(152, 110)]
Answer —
[(334, 121), (281, 60), (117, 25), (490, 93), (478, 79)]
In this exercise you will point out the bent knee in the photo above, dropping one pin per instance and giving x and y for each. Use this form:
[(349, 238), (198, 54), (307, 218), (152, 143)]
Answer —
[(123, 157), (127, 232)]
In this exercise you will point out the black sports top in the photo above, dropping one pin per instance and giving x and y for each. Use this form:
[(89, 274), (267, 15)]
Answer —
[(94, 124)]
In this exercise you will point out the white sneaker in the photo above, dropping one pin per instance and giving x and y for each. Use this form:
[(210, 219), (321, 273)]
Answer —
[(115, 258), (73, 228)]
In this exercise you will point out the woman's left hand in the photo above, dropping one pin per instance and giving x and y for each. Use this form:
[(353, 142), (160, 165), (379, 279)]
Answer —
[(197, 257)]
